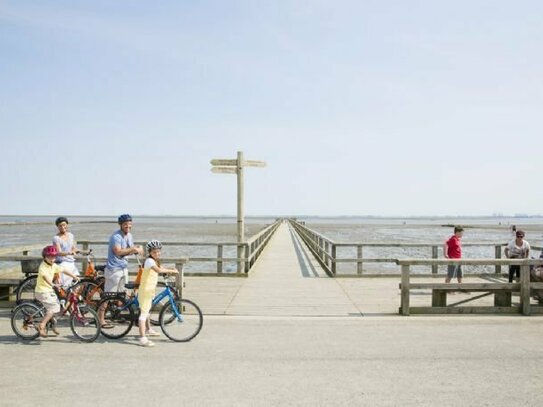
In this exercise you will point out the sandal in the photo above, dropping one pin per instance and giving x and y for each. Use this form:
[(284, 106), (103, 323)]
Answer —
[(41, 331), (107, 325)]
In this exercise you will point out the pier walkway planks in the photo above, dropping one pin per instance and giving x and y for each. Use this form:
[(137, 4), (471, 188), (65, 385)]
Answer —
[(288, 281)]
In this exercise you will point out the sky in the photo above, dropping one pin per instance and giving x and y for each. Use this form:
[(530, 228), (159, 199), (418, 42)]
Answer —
[(381, 108)]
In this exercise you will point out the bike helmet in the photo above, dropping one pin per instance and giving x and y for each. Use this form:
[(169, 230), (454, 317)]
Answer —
[(49, 251), (153, 244), (61, 219), (124, 218)]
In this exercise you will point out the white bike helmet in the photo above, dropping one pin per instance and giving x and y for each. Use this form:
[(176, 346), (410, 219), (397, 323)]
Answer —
[(153, 244)]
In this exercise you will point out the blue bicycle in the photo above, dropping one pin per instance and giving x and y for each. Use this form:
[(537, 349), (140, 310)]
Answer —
[(180, 319)]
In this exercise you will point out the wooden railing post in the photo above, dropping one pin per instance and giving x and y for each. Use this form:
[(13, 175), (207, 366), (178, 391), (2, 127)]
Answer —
[(85, 262), (434, 256), (247, 254), (321, 248), (525, 289), (498, 252), (359, 264), (219, 257), (180, 279), (334, 265), (239, 257), (405, 290)]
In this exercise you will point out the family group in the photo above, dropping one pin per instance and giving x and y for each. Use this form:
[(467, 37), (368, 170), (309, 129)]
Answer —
[(58, 268)]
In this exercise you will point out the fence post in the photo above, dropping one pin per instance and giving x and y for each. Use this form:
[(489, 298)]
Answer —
[(334, 265), (327, 258), (525, 289), (85, 263), (321, 248), (180, 279), (434, 256), (405, 290), (498, 251), (219, 259), (359, 264), (247, 254)]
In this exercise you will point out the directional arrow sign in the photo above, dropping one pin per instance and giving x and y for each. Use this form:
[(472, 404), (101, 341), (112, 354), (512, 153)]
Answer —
[(224, 170), (222, 166), (224, 162), (252, 163)]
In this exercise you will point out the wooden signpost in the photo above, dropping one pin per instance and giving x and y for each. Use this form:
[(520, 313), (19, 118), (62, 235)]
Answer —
[(225, 166)]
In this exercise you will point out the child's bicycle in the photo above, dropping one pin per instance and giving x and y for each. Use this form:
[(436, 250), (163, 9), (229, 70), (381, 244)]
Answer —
[(180, 319), (90, 286), (83, 320)]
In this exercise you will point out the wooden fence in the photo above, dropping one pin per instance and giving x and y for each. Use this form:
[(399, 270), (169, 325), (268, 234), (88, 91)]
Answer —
[(326, 252), (524, 287), (250, 251)]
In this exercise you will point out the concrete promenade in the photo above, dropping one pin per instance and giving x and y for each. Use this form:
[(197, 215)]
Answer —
[(289, 335)]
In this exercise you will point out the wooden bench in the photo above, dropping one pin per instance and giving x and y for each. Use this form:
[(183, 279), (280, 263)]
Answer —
[(7, 291), (502, 296), (10, 279)]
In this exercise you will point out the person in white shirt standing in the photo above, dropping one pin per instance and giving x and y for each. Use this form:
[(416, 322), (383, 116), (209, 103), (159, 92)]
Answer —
[(517, 248), (65, 244)]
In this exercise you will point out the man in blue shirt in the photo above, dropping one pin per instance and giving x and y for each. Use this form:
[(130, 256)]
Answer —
[(121, 244)]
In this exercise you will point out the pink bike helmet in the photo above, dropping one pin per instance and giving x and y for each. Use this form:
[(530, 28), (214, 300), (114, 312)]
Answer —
[(49, 251)]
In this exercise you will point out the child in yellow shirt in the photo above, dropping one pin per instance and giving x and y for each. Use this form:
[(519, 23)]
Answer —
[(146, 291), (44, 290)]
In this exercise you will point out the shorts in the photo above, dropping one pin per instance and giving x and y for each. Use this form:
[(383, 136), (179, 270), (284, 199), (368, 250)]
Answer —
[(49, 301), (115, 280), (65, 279), (454, 271)]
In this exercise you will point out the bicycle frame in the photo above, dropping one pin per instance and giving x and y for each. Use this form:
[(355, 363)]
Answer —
[(167, 292)]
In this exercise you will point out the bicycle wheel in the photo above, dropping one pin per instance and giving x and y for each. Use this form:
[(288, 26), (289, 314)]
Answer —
[(84, 324), (118, 315), (25, 291), (25, 320), (89, 292), (182, 322)]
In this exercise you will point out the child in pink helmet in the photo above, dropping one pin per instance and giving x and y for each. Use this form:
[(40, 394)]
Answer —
[(44, 290)]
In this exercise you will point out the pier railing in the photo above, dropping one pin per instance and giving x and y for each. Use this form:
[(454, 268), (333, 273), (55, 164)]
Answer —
[(525, 287), (248, 253), (331, 254)]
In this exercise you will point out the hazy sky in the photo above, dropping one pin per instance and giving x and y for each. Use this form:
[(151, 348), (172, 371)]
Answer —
[(358, 107)]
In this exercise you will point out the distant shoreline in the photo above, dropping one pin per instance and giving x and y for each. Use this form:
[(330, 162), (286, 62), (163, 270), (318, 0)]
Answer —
[(376, 217)]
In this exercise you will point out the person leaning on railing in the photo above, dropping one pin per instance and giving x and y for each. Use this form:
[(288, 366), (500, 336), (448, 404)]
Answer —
[(517, 248)]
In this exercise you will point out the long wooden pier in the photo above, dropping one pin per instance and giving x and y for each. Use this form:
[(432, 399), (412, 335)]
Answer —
[(288, 281)]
